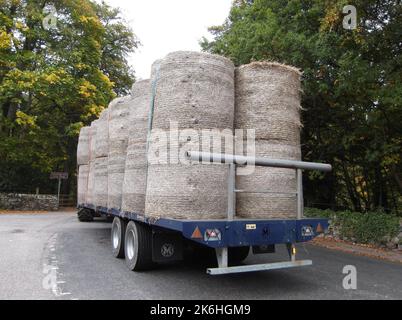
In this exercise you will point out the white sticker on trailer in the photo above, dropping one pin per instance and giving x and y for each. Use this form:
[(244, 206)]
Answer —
[(251, 226)]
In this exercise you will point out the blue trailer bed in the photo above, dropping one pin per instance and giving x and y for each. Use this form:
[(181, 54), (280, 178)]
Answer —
[(143, 240)]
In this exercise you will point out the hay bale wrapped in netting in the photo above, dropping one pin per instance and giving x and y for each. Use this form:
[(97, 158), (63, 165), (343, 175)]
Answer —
[(181, 189), (90, 197), (82, 184), (119, 112), (196, 191), (195, 90), (92, 140), (139, 114), (83, 146), (101, 182), (102, 135), (135, 175), (268, 100), (91, 183), (282, 202), (116, 167)]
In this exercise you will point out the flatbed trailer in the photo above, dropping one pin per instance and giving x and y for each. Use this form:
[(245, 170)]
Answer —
[(144, 241)]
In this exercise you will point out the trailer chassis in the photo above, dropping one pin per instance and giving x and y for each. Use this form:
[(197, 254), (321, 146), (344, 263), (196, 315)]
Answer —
[(232, 232)]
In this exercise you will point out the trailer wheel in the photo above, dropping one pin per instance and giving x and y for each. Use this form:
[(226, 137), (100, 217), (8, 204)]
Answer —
[(237, 254), (138, 247), (85, 215), (117, 237)]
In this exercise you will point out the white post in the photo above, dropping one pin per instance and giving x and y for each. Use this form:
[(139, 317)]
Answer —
[(300, 205), (232, 192), (58, 191)]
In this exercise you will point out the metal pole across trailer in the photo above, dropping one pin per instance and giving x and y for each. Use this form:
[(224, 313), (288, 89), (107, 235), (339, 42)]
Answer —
[(258, 161), (233, 160)]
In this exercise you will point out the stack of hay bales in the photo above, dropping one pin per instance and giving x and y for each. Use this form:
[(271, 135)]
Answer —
[(101, 160), (135, 176), (196, 90), (83, 146), (83, 171), (102, 135), (268, 100), (82, 162), (119, 111)]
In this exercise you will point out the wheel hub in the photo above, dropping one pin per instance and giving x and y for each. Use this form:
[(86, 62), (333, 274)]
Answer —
[(116, 236), (130, 245)]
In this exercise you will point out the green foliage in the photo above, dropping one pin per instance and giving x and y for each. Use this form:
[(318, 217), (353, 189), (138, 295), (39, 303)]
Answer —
[(53, 82), (369, 228), (117, 42), (352, 86), (318, 213)]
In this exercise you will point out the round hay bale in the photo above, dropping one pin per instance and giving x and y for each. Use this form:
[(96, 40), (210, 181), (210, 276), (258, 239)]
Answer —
[(134, 188), (196, 191), (281, 203), (265, 206), (91, 183), (119, 112), (116, 167), (101, 178), (195, 90), (82, 184), (139, 114), (135, 175), (92, 140), (83, 152), (102, 135), (268, 100)]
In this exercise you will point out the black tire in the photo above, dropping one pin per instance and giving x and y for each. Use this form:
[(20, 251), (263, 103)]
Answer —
[(138, 246), (85, 215), (237, 255), (117, 237)]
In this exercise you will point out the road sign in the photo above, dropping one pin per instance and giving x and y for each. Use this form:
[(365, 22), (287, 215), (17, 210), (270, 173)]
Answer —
[(59, 175)]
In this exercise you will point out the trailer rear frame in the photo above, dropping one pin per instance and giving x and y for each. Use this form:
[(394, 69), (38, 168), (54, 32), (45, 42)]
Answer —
[(231, 232)]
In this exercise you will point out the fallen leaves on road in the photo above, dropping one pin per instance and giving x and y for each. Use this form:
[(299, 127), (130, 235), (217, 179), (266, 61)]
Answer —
[(359, 249), (35, 211)]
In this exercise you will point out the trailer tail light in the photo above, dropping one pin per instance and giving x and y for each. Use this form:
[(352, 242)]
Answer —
[(307, 231), (212, 235), (319, 228)]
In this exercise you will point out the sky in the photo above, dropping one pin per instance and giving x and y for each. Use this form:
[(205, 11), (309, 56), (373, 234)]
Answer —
[(164, 26)]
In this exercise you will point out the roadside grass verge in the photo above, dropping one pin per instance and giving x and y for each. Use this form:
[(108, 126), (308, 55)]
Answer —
[(375, 228)]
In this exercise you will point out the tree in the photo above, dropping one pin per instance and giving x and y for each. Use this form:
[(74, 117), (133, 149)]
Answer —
[(352, 88), (52, 82), (117, 43)]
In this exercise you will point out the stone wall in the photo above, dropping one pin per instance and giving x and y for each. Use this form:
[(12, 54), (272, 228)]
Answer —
[(15, 201)]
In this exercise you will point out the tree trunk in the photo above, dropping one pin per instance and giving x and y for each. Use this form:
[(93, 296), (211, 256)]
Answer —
[(351, 189)]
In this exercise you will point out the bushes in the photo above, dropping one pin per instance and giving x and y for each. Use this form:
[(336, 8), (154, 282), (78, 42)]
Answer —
[(368, 228)]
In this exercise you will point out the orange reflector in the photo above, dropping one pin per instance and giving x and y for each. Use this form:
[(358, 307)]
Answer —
[(319, 228), (294, 251), (197, 234)]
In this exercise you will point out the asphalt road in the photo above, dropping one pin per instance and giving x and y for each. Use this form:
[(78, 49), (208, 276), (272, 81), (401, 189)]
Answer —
[(53, 256)]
